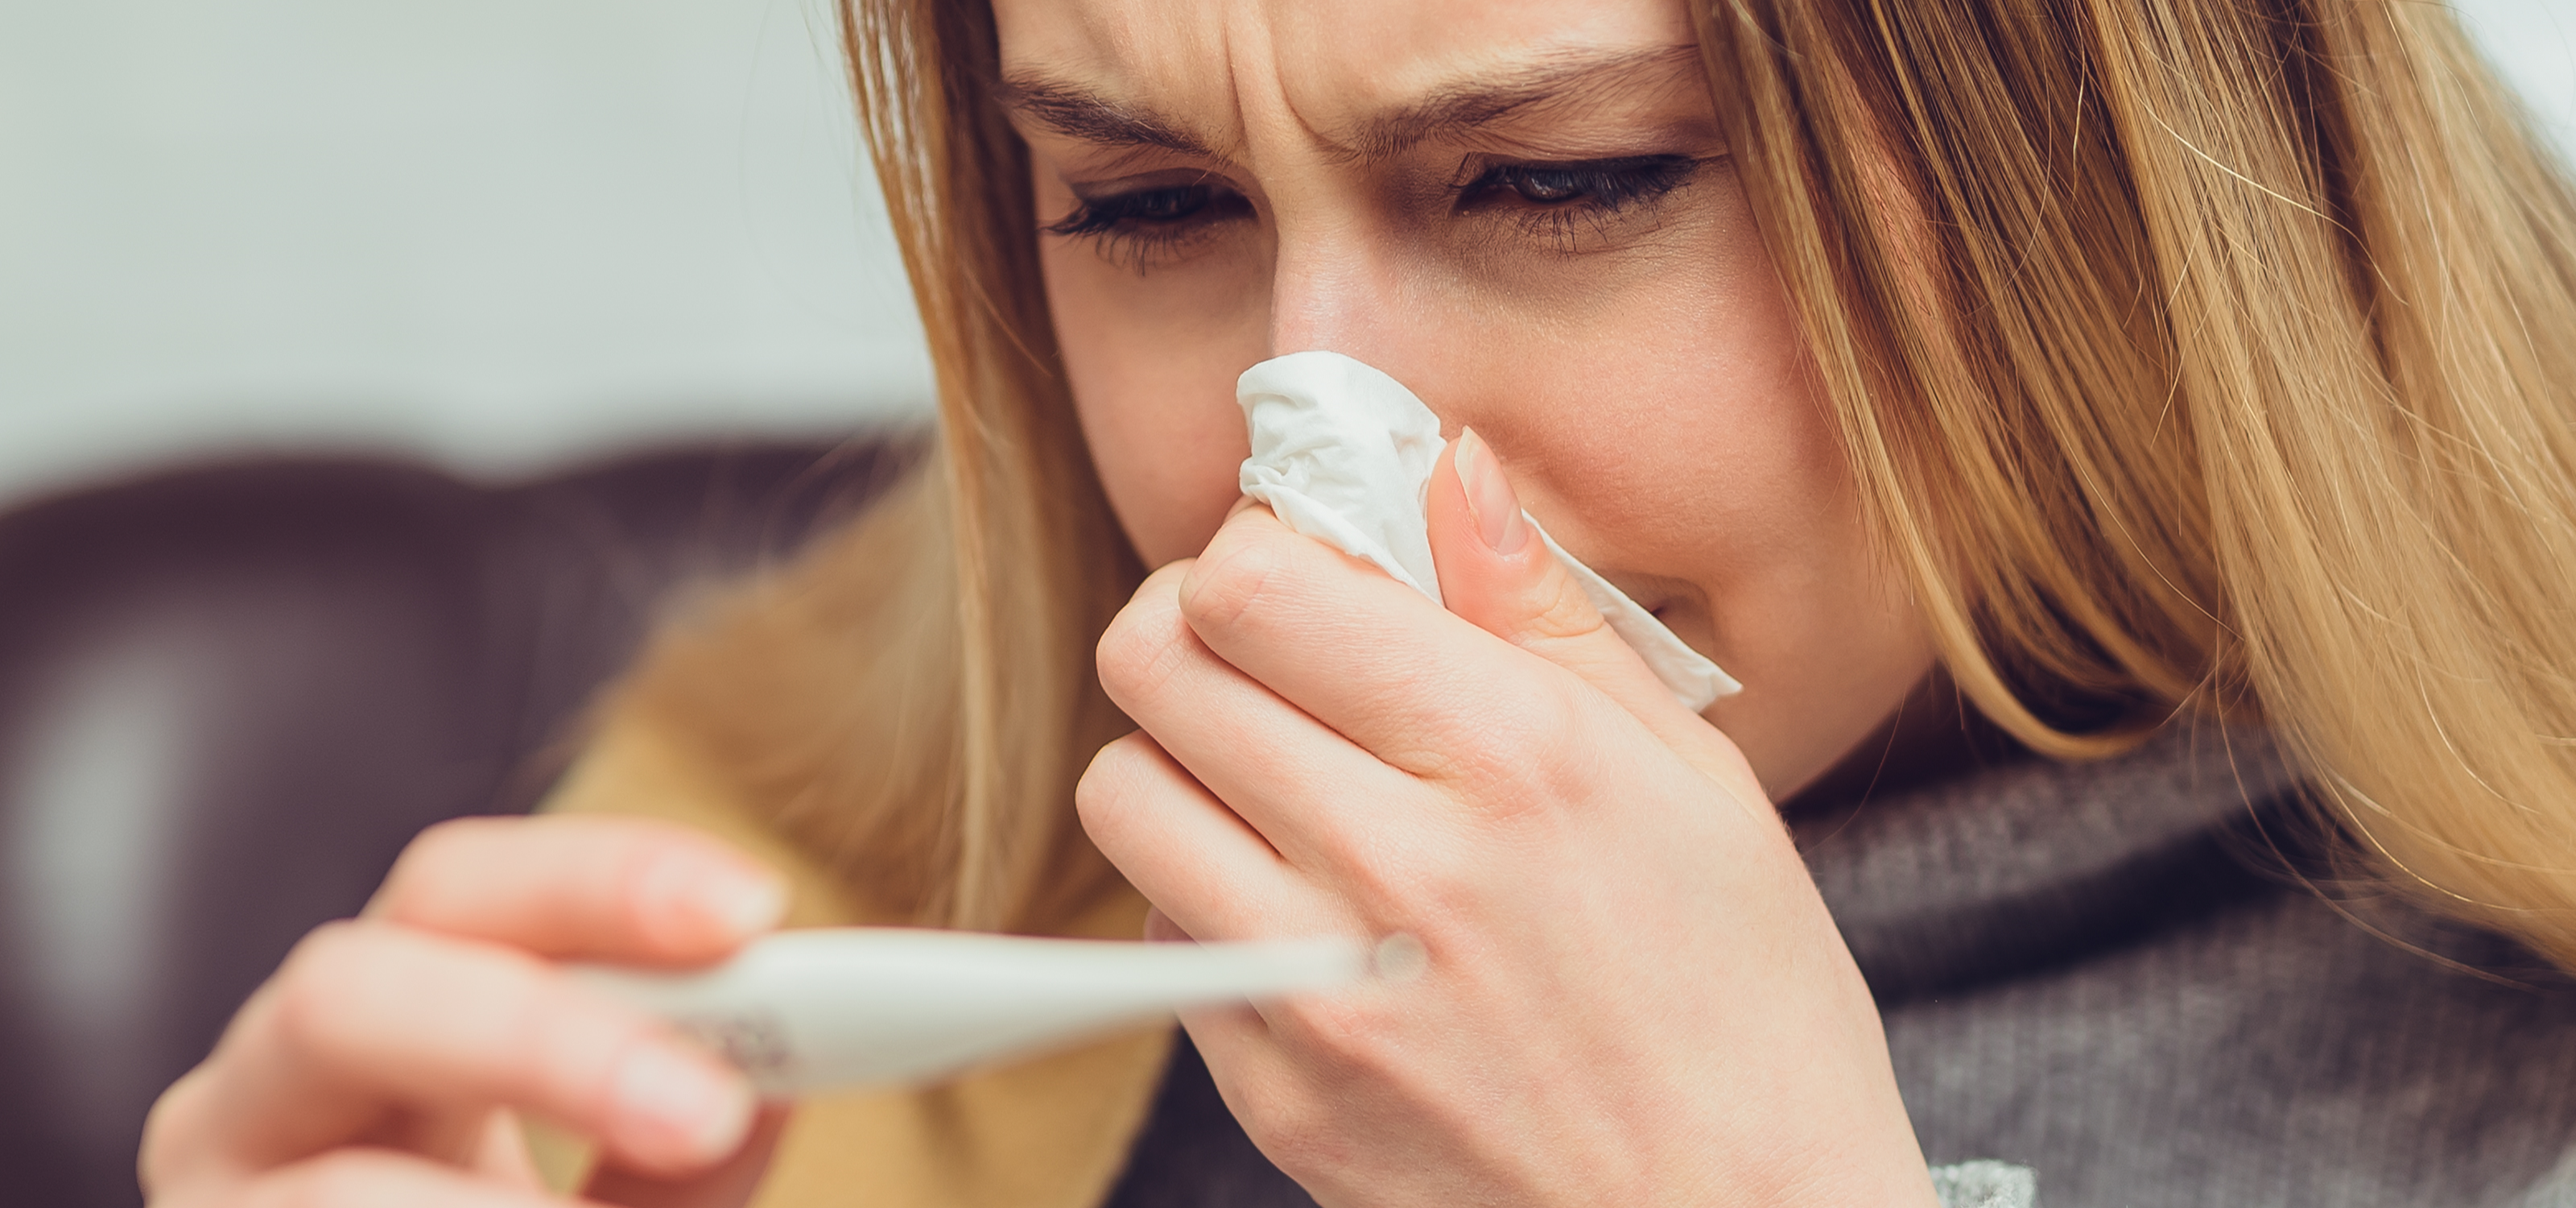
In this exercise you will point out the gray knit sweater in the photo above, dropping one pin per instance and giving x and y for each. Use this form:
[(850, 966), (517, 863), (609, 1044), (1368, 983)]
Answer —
[(2111, 975)]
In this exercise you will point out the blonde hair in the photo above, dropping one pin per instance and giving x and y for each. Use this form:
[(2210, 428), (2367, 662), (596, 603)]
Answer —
[(2203, 356)]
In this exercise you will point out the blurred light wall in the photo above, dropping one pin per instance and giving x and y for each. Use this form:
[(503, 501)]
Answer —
[(2533, 42), (498, 233)]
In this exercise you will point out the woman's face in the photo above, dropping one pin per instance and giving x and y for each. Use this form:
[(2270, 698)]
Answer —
[(1524, 210)]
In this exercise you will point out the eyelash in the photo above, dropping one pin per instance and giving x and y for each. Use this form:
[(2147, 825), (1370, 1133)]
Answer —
[(1137, 228), (1555, 200), (1611, 184), (1562, 202)]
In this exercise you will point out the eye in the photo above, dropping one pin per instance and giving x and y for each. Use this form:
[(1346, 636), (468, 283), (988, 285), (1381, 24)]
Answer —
[(1582, 206), (1143, 226), (1610, 184)]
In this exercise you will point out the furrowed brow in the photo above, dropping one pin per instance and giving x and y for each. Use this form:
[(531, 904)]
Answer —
[(1079, 113), (1572, 80)]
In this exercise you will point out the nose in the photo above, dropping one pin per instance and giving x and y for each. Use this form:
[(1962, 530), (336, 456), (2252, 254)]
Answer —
[(1335, 289), (1357, 288)]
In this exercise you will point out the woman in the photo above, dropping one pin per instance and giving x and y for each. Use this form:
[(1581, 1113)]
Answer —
[(2134, 381)]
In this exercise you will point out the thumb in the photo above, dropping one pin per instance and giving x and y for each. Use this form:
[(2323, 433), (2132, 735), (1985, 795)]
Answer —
[(1495, 572)]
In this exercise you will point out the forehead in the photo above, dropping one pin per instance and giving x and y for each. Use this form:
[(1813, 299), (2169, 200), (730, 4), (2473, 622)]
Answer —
[(1331, 66)]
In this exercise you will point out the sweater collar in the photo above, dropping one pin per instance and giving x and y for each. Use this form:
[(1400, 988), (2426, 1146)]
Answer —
[(2026, 864)]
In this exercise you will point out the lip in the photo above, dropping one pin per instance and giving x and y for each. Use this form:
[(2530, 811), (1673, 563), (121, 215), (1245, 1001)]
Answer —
[(1677, 604), (1654, 593)]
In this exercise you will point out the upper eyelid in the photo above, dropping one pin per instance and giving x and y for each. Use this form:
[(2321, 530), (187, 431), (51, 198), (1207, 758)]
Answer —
[(1473, 177), (1088, 188), (1469, 170), (1470, 173), (1474, 166), (1129, 195), (1111, 191), (1091, 211)]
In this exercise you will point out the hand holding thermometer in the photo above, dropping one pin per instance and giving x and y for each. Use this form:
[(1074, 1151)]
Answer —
[(833, 1007)]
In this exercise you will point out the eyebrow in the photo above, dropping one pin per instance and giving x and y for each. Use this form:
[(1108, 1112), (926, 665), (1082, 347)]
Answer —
[(1079, 113), (1449, 111)]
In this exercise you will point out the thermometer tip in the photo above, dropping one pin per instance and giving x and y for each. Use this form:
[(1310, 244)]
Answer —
[(1399, 958)]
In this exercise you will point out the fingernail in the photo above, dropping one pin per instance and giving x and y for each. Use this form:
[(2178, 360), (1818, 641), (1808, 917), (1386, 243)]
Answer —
[(746, 905), (1490, 501), (681, 1102)]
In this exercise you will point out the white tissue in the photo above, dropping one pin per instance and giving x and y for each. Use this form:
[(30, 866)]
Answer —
[(1343, 453)]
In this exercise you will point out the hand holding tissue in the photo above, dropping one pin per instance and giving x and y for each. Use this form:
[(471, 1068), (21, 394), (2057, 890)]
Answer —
[(1343, 454)]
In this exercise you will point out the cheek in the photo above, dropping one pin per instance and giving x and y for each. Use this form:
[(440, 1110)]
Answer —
[(1676, 432), (1656, 411), (1152, 375), (1675, 421)]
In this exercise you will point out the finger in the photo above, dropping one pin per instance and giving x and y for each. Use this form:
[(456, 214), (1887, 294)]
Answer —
[(1160, 929), (1304, 788), (370, 1024), (622, 889), (1366, 656), (377, 1178), (1496, 573), (502, 1149), (729, 1185), (1198, 862)]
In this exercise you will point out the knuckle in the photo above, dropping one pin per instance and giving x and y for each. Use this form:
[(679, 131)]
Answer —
[(1579, 757), (1429, 753), (1290, 1127), (1482, 737), (1564, 614), (1229, 583), (441, 837), (519, 1017), (172, 1129), (1507, 762), (1442, 732), (521, 1033), (328, 969), (1473, 751), (1477, 762), (1143, 647), (1417, 887), (1354, 1037), (344, 983), (1546, 707), (1105, 797), (640, 878), (417, 885)]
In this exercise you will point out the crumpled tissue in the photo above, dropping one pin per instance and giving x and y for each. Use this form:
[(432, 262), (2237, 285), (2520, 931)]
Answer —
[(1343, 453)]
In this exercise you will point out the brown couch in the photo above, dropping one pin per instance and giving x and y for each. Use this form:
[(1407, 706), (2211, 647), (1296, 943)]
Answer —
[(229, 695)]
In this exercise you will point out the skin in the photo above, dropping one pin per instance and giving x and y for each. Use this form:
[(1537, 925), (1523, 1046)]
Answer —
[(387, 1060), (1637, 372), (1611, 907), (1632, 992)]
